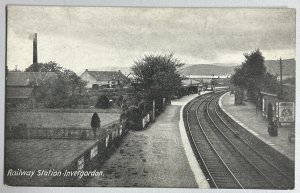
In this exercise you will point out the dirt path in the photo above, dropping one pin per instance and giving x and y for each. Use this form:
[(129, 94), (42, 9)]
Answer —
[(150, 158)]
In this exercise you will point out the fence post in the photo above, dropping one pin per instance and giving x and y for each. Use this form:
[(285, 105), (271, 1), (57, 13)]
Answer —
[(28, 132), (153, 109)]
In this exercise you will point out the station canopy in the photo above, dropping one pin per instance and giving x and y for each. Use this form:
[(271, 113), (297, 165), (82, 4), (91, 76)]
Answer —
[(189, 82)]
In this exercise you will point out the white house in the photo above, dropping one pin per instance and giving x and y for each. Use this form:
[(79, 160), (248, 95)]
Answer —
[(109, 79)]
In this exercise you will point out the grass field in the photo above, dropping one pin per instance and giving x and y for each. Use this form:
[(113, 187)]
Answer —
[(41, 154), (55, 119), (45, 154)]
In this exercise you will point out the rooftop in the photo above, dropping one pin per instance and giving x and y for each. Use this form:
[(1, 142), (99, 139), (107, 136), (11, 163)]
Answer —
[(25, 78), (107, 75)]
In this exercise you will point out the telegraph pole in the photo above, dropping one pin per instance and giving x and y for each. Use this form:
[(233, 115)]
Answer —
[(281, 90), (280, 93)]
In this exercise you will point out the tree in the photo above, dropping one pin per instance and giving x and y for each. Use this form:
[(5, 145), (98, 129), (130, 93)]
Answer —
[(291, 80), (270, 83), (103, 102), (44, 67), (95, 123), (157, 75), (51, 91), (133, 118), (59, 90), (74, 81), (251, 74)]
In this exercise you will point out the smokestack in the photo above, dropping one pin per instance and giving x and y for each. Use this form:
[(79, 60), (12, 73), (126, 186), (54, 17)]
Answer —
[(35, 56)]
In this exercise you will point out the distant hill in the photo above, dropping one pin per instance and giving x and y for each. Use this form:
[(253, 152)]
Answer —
[(208, 69), (272, 66), (288, 67), (220, 69)]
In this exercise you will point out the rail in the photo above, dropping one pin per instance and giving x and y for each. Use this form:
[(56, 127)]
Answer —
[(208, 164), (216, 109), (243, 166)]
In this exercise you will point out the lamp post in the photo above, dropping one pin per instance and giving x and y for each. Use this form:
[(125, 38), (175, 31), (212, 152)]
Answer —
[(280, 93), (281, 89)]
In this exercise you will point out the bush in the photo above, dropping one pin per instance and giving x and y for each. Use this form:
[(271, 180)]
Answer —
[(83, 100), (141, 106), (103, 102), (120, 101), (71, 102), (95, 122), (133, 118)]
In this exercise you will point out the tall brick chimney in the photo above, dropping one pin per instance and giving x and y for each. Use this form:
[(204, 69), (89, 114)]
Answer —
[(35, 54)]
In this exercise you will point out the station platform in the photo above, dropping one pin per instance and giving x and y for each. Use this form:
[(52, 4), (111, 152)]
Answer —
[(254, 122), (158, 156)]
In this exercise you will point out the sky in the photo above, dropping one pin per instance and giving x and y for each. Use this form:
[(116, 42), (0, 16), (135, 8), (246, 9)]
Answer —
[(97, 38)]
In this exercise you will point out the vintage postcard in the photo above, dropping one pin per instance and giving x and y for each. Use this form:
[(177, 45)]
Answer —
[(150, 97)]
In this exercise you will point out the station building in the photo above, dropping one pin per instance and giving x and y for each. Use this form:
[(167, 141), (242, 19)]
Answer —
[(191, 85), (279, 107)]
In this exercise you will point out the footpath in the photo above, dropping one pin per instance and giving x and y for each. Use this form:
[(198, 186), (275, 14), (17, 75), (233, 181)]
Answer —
[(253, 121), (158, 156)]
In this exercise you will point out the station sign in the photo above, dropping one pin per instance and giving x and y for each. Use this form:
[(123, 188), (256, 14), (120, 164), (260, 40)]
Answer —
[(106, 140), (146, 120), (94, 152), (120, 130), (286, 112), (80, 163)]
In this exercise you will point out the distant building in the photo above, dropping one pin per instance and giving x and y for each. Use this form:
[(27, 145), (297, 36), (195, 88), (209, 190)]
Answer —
[(189, 82), (104, 79), (20, 87), (206, 81)]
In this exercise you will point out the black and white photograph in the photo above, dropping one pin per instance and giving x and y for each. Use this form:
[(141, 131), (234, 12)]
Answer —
[(150, 97)]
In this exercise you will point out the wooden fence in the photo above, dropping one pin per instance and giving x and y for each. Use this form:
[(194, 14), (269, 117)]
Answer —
[(66, 110), (91, 159), (23, 132), (96, 155), (88, 163)]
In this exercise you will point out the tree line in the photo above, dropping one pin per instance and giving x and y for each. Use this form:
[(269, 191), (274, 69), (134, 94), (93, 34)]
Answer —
[(253, 77), (63, 89), (155, 77)]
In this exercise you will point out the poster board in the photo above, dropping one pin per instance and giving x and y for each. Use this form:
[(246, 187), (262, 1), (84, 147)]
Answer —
[(286, 112)]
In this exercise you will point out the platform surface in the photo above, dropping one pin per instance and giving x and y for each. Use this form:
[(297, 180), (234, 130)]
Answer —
[(154, 157), (254, 122)]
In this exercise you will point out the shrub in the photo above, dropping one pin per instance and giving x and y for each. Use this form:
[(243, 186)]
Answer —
[(141, 106), (103, 102), (70, 102), (95, 123), (120, 101), (83, 100), (134, 118)]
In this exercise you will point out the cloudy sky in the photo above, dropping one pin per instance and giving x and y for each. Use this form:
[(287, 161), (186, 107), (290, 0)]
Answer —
[(95, 37)]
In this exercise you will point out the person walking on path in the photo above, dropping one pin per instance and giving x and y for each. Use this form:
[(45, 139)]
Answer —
[(95, 123)]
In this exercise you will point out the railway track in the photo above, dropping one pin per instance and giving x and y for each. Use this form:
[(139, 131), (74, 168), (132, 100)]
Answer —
[(228, 160)]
